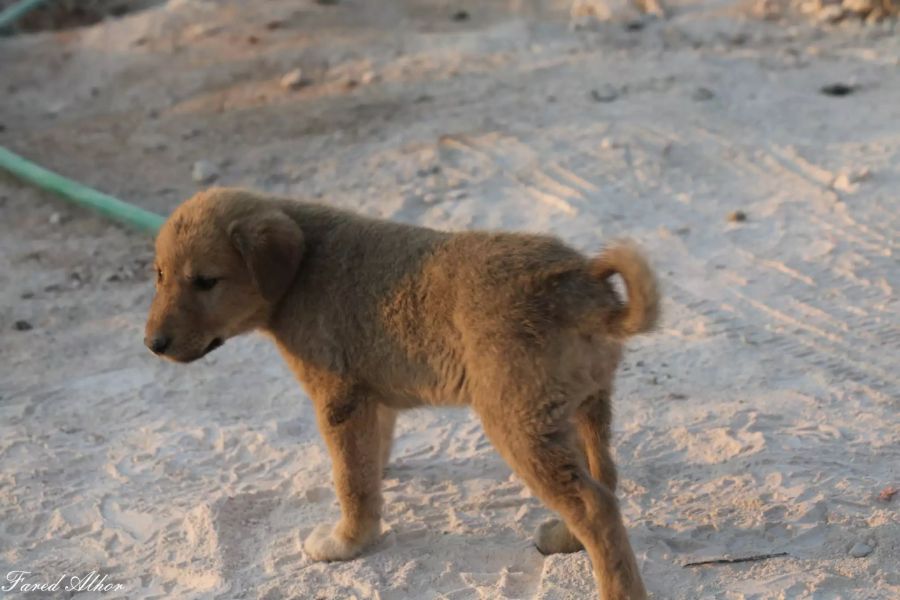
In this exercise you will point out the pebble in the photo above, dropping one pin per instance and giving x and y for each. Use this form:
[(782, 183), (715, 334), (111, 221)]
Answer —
[(702, 94), (55, 218), (204, 172), (860, 7), (608, 143), (737, 216), (831, 13), (23, 326), (847, 182), (860, 550), (293, 80), (838, 89), (606, 93)]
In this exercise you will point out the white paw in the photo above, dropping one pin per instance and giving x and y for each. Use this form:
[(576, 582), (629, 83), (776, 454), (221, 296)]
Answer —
[(553, 537), (325, 543)]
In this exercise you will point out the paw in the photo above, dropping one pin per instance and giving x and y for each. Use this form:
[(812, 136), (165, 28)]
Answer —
[(327, 543), (553, 537)]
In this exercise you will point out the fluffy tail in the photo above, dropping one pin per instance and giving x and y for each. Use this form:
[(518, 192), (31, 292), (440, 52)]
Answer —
[(641, 312)]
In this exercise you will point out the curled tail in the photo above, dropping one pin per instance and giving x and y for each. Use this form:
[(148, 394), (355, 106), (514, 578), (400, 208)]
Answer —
[(641, 311)]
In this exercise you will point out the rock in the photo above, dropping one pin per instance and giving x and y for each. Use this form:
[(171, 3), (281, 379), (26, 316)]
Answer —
[(23, 326), (55, 218), (860, 8), (838, 89), (293, 80), (606, 93), (585, 13), (702, 94), (831, 13), (460, 15), (860, 550), (737, 216), (608, 143), (768, 10), (204, 172), (847, 182)]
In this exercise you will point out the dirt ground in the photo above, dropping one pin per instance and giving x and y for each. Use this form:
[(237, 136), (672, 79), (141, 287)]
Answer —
[(756, 160)]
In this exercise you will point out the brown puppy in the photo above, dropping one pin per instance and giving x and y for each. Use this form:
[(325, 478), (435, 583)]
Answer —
[(374, 316)]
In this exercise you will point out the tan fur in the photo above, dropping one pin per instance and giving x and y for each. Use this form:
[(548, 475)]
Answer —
[(374, 317)]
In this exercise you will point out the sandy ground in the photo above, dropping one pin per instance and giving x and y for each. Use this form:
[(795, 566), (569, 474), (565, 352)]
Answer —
[(761, 418)]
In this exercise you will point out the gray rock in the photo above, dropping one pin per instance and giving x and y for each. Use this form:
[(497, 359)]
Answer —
[(702, 94), (605, 93), (204, 172), (860, 550)]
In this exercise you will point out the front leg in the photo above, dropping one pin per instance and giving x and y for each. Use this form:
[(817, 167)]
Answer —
[(348, 421)]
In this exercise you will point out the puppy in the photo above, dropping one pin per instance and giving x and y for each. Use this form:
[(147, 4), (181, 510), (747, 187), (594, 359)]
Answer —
[(375, 317)]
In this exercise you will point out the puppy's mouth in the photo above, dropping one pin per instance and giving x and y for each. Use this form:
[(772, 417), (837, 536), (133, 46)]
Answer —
[(212, 346), (189, 358)]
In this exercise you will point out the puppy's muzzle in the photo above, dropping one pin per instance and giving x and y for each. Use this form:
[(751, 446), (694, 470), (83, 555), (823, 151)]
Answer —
[(158, 343)]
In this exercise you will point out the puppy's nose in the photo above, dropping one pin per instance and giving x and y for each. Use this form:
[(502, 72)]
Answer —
[(158, 343)]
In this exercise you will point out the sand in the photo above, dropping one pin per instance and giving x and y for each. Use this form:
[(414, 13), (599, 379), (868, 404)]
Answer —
[(761, 417)]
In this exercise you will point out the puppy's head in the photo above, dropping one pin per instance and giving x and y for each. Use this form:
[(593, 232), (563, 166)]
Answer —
[(223, 260)]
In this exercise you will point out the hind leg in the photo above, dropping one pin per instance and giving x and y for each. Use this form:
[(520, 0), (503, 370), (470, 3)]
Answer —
[(538, 444), (387, 418), (593, 421)]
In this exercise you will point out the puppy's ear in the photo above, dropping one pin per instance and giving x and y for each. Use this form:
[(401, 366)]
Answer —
[(271, 245)]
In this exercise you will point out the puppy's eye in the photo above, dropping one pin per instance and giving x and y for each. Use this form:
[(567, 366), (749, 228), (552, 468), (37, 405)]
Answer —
[(205, 283)]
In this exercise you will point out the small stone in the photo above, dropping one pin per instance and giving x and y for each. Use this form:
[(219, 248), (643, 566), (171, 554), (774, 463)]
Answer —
[(586, 14), (204, 172), (885, 495), (23, 326), (702, 94), (606, 93), (55, 218), (860, 550), (768, 10), (831, 13), (860, 8), (368, 77), (293, 80), (737, 216), (838, 89), (847, 182), (460, 15)]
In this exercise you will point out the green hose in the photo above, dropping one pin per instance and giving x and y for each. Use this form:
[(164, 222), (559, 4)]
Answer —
[(13, 13), (66, 188), (78, 193)]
